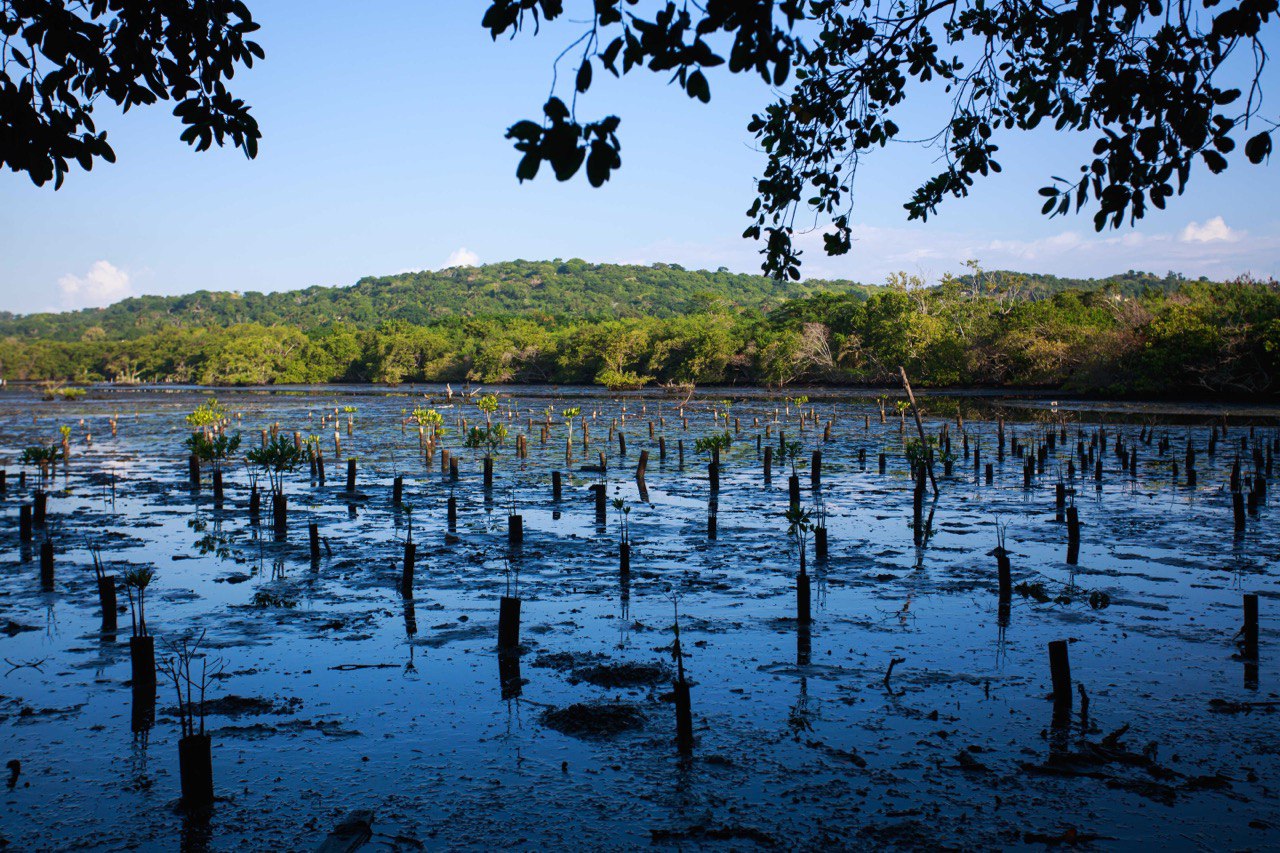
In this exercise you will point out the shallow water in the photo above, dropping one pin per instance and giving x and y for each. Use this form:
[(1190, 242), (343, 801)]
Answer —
[(398, 706)]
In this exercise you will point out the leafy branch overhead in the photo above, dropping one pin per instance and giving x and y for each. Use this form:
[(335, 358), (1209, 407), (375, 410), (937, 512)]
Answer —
[(1162, 90), (58, 59)]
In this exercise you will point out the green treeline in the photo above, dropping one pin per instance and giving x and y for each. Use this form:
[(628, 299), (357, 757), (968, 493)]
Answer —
[(1192, 338)]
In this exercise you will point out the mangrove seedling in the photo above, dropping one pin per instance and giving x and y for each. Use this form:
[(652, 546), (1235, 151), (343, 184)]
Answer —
[(41, 457), (279, 456), (920, 453), (713, 444), (790, 452), (798, 402), (819, 512), (684, 711), (213, 449), (510, 577), (569, 415), (488, 438), (903, 407), (208, 414), (798, 527), (677, 654), (136, 581), (430, 420), (488, 404), (190, 689), (624, 529), (948, 458)]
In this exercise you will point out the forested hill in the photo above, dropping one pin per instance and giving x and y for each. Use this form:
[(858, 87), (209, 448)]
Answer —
[(572, 290), (624, 327), (1042, 286), (564, 289)]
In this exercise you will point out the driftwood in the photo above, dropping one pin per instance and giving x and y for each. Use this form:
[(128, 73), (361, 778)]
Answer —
[(888, 673)]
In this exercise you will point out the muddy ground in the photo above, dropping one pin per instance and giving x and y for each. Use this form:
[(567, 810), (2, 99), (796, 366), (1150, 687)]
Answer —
[(338, 694)]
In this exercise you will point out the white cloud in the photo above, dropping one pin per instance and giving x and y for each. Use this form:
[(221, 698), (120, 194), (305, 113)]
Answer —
[(102, 285), (462, 257), (1214, 230)]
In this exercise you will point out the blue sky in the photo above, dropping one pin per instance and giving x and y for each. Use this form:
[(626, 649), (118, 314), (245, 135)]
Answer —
[(383, 151)]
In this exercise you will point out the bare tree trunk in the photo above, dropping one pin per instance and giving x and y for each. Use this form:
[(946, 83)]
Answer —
[(924, 445)]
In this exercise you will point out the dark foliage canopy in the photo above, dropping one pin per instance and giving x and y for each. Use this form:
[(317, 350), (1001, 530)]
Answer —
[(1161, 89), (59, 57)]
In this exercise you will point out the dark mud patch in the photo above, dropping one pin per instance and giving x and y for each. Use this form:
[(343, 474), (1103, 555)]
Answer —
[(595, 719), (29, 714), (263, 731), (698, 834), (917, 834), (245, 706), (622, 674), (451, 633), (600, 670), (566, 661)]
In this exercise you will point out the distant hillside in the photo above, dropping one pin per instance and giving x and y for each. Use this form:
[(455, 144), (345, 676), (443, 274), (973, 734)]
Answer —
[(626, 326), (569, 289), (1042, 286), (540, 290)]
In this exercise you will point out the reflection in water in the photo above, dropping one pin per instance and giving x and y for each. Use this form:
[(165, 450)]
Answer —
[(804, 643), (197, 832), (1002, 629), (509, 678), (410, 631), (143, 713), (1060, 729)]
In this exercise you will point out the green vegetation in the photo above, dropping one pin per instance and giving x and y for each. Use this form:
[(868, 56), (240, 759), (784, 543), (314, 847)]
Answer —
[(63, 393), (488, 404), (207, 414), (279, 456), (430, 419), (41, 457), (713, 444), (539, 290), (214, 450), (488, 438), (1136, 334)]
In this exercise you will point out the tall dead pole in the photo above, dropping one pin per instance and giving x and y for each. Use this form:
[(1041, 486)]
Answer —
[(924, 444)]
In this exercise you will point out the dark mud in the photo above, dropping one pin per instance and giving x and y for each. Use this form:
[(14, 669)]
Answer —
[(595, 719), (337, 695)]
